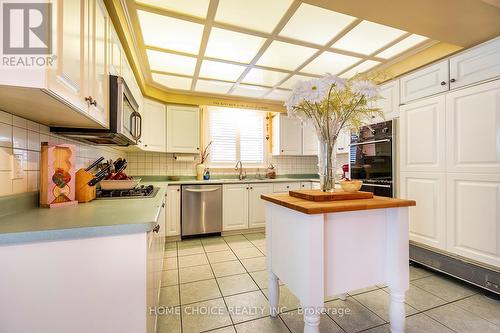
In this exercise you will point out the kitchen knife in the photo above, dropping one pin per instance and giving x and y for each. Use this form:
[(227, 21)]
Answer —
[(93, 165), (99, 176)]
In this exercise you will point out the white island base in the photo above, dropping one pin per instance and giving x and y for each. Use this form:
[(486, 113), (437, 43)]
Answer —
[(321, 255)]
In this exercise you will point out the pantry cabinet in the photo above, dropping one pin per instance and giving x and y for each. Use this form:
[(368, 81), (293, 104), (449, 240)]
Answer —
[(154, 122), (425, 82), (173, 211), (183, 129)]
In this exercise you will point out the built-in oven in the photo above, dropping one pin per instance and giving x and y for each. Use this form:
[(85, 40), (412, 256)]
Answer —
[(125, 121), (371, 158)]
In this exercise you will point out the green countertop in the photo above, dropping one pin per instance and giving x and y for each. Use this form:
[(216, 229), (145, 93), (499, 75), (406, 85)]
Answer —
[(226, 180), (94, 219)]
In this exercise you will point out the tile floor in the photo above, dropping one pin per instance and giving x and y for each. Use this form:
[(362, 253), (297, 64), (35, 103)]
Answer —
[(219, 284)]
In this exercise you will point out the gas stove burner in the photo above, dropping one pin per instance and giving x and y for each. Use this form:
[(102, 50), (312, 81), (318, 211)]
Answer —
[(142, 191)]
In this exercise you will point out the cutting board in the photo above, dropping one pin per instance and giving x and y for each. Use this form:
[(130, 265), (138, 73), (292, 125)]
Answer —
[(319, 196)]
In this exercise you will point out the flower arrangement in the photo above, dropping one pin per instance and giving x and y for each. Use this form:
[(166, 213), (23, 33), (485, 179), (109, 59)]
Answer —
[(332, 104)]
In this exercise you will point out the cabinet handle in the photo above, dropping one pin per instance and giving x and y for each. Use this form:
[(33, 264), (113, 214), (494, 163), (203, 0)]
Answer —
[(247, 188), (452, 80), (443, 83), (178, 190), (89, 99), (94, 103), (163, 205), (251, 188), (157, 228), (197, 148), (341, 148)]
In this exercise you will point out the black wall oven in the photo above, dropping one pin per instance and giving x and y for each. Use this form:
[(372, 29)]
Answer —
[(371, 158)]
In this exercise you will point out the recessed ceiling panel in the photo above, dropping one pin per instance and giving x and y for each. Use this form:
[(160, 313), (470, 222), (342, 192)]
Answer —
[(172, 81), (214, 87), (220, 71), (249, 91), (402, 46), (290, 83), (367, 37), (285, 56), (260, 15), (170, 33), (330, 62), (192, 7), (230, 45), (279, 95), (264, 77), (171, 63), (362, 67), (314, 24)]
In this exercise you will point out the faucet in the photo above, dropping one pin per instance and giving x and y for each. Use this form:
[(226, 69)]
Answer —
[(242, 175)]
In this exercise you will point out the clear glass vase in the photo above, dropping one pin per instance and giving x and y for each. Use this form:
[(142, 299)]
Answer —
[(327, 162)]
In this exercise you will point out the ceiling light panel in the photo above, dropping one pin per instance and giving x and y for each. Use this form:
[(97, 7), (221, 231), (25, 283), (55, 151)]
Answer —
[(279, 95), (171, 63), (249, 91), (230, 45), (367, 37), (170, 33), (330, 62), (220, 71), (402, 46), (215, 87), (264, 77), (362, 67), (196, 8), (285, 56), (260, 15), (172, 81), (314, 24), (290, 83)]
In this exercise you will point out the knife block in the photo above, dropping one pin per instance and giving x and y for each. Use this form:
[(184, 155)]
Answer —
[(84, 192)]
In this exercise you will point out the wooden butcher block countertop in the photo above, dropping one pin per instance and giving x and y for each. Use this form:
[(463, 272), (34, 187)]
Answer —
[(312, 207)]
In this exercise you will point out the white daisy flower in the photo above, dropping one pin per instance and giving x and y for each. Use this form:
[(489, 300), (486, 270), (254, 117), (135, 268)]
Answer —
[(330, 79), (365, 88)]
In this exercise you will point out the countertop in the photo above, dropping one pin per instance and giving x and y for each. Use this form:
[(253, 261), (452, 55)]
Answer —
[(250, 180), (93, 219)]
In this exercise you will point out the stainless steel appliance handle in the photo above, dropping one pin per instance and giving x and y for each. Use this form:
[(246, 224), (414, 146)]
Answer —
[(200, 190), (377, 185), (369, 142), (138, 126)]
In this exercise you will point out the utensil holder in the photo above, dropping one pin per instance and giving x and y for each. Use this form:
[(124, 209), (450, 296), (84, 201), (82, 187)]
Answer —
[(84, 192)]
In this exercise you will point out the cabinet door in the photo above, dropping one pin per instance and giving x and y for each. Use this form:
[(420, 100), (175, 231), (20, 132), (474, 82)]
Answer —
[(98, 65), (256, 207), (473, 217), (115, 52), (290, 132), (343, 141), (475, 65), (425, 82), (235, 207), (315, 185), (310, 145), (68, 78), (305, 185), (183, 129), (389, 103), (173, 211), (285, 187), (428, 218), (422, 135), (472, 129), (154, 123)]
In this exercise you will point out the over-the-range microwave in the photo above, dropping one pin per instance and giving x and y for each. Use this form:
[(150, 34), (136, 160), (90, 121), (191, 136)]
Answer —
[(125, 122)]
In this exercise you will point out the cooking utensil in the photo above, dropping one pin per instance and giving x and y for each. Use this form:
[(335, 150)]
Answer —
[(93, 165), (99, 176)]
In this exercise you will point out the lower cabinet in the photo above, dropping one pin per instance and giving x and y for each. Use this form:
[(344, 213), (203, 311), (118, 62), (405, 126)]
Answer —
[(173, 211), (305, 185), (256, 207), (285, 187)]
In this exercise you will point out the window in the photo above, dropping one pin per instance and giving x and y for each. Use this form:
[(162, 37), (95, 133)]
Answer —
[(236, 134)]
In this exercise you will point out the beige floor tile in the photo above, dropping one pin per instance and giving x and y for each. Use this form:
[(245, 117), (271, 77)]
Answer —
[(169, 263), (482, 306), (446, 288), (213, 240), (359, 317), (204, 316), (239, 244), (362, 290), (236, 284), (419, 323), (378, 302), (254, 264), (215, 247), (169, 296), (169, 322), (259, 243), (248, 306), (169, 278), (229, 329), (221, 256), (287, 300), (190, 250), (421, 299), (247, 252), (262, 249), (170, 245), (255, 236), (261, 278), (195, 273), (419, 272), (193, 260), (263, 325), (460, 320), (188, 243), (170, 253), (295, 322), (234, 238), (199, 291), (227, 268)]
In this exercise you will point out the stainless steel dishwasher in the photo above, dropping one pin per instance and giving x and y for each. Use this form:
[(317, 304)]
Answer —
[(201, 209)]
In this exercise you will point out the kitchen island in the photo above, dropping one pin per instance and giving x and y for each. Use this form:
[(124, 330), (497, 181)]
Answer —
[(321, 249)]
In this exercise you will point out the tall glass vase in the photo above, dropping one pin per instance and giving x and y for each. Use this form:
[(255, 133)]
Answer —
[(327, 159)]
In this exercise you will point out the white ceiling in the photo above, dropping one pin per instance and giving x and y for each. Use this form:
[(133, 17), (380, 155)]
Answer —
[(257, 48)]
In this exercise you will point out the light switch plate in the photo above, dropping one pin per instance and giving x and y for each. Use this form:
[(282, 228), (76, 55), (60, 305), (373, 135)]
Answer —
[(17, 166)]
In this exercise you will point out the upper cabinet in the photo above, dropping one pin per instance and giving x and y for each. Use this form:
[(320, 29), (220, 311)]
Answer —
[(183, 129), (343, 141), (389, 103), (114, 53), (154, 131), (287, 135), (310, 145), (425, 82), (475, 65)]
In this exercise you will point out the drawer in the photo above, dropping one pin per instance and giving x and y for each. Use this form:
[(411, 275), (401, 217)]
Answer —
[(285, 187)]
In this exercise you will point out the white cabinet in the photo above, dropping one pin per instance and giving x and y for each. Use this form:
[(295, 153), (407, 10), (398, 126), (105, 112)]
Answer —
[(305, 185), (473, 217), (422, 138), (425, 82), (256, 207), (287, 135), (428, 218), (473, 129), (477, 64), (115, 52), (309, 139), (389, 103), (183, 129), (285, 187), (235, 207), (154, 126), (315, 185), (173, 211), (343, 141)]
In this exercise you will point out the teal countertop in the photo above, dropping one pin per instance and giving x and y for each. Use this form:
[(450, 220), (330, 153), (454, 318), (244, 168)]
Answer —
[(94, 219)]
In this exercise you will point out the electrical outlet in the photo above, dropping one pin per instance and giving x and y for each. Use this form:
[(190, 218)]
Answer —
[(17, 166)]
